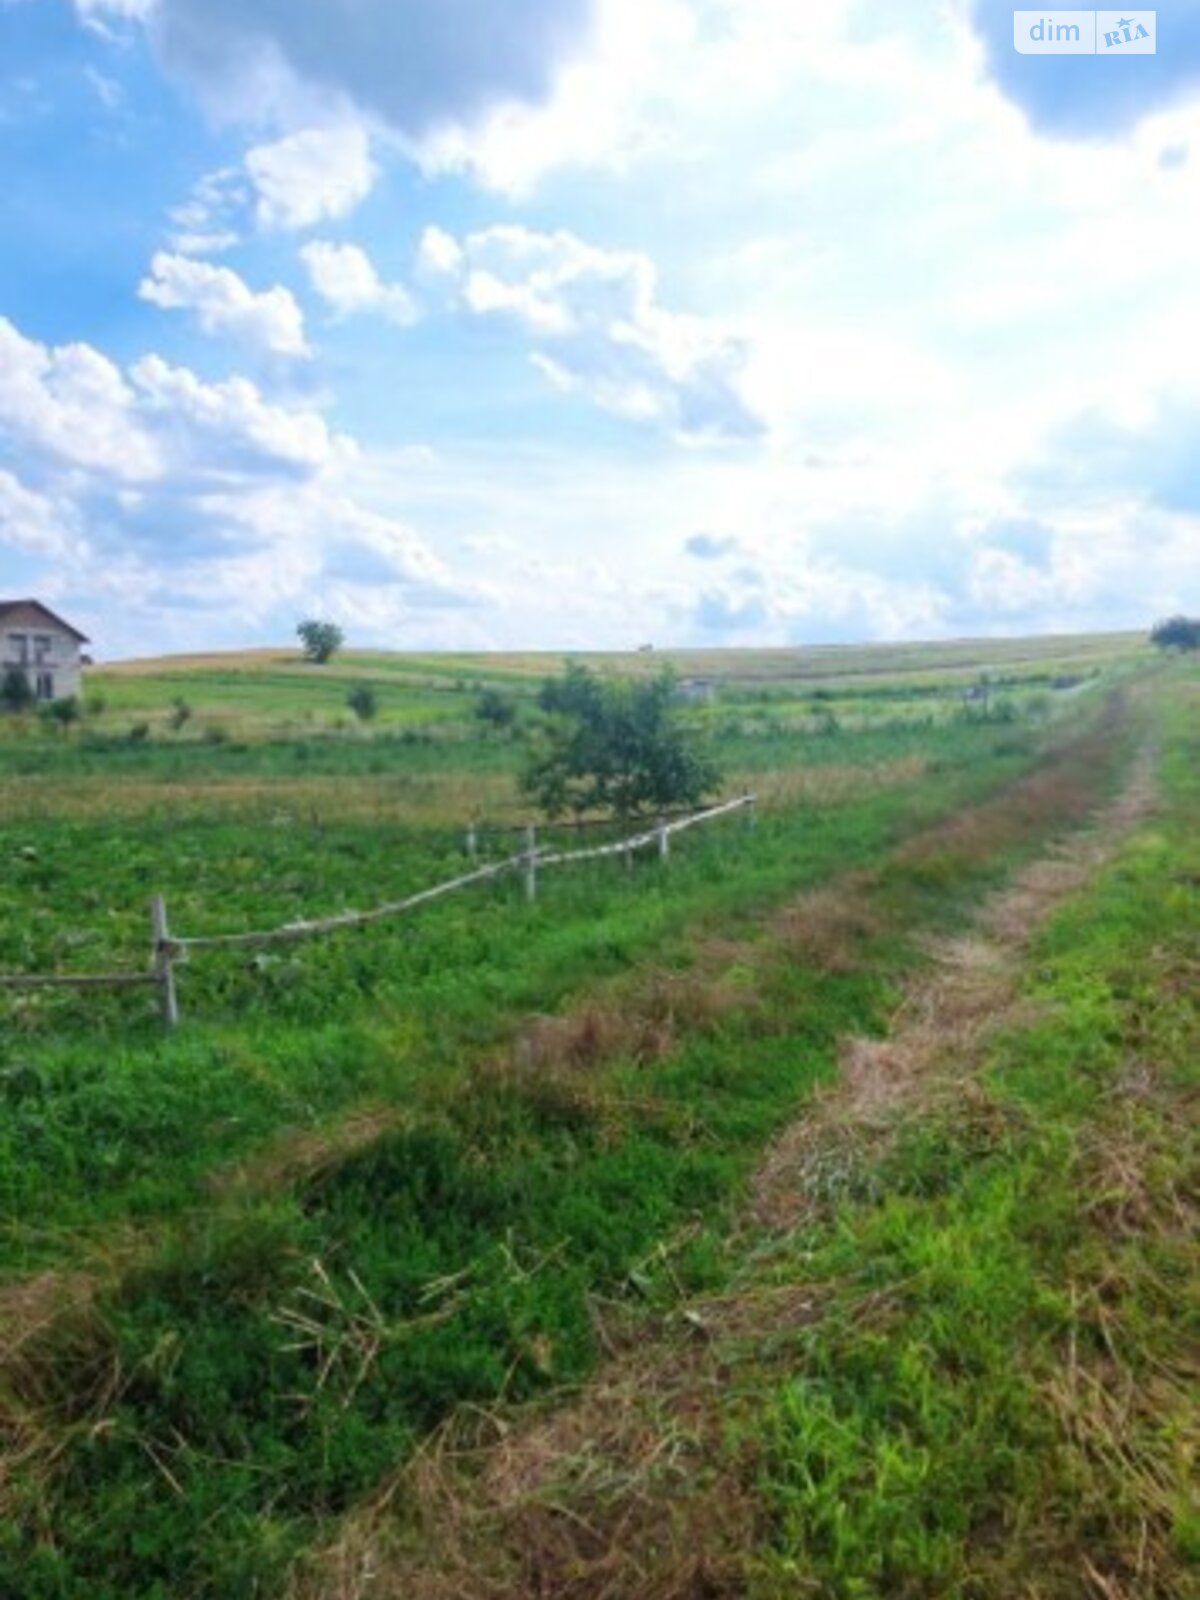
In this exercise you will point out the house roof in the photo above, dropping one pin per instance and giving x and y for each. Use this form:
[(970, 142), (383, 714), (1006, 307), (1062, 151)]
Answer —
[(14, 605)]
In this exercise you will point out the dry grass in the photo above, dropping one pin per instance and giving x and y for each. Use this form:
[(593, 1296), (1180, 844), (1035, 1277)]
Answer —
[(296, 1158), (630, 1489), (940, 1031)]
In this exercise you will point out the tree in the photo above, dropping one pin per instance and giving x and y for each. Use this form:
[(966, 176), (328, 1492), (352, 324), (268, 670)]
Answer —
[(615, 746), (321, 640), (181, 714), (1177, 633), (16, 691), (363, 701)]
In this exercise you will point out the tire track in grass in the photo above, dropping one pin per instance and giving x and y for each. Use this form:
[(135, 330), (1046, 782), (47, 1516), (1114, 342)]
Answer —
[(626, 1491)]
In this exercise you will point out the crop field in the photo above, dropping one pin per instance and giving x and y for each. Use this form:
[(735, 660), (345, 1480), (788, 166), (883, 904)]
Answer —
[(812, 1212)]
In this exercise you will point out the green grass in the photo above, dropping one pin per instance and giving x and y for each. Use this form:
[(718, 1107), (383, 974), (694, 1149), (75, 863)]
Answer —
[(1022, 1406), (260, 1356)]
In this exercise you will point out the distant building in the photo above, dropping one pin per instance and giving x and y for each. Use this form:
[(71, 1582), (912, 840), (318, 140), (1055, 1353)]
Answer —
[(698, 691), (41, 645)]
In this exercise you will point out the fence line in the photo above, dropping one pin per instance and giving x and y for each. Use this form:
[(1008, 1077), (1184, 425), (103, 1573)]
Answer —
[(167, 948)]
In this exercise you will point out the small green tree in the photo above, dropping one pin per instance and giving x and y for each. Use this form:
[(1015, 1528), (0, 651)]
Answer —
[(615, 746), (181, 714), (16, 691), (1177, 633), (363, 701), (321, 641)]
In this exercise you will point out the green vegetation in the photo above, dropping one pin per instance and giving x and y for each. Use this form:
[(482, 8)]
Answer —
[(615, 747), (1177, 633), (16, 691), (246, 1269), (1021, 1412), (321, 640)]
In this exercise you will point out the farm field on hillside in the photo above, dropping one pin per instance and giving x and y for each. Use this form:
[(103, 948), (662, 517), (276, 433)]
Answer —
[(458, 1163)]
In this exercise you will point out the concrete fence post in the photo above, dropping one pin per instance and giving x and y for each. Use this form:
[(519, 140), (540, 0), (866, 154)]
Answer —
[(664, 838)]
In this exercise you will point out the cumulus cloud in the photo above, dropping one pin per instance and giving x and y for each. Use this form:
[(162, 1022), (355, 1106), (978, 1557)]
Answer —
[(598, 327), (35, 524), (73, 408), (310, 177), (270, 320), (1085, 97), (414, 64), (72, 405), (201, 510), (345, 277), (230, 424)]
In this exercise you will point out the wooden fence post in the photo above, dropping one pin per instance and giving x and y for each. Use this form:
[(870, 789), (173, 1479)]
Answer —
[(164, 967), (531, 863), (664, 838)]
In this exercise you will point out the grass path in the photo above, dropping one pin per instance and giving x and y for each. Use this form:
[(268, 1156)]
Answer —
[(700, 1464), (566, 1198)]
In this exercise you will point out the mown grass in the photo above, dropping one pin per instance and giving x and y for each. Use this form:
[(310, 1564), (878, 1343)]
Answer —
[(1020, 1420), (267, 1359)]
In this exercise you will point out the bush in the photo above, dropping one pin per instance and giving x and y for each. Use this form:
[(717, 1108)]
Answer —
[(61, 713), (363, 701), (496, 710), (16, 692)]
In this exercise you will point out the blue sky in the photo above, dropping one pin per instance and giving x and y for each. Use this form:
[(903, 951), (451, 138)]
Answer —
[(596, 322)]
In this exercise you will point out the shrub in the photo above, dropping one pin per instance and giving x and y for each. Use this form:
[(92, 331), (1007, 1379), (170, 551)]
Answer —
[(363, 701), (16, 692)]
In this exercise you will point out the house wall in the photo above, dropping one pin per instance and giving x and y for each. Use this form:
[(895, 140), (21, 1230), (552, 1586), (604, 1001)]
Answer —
[(40, 648)]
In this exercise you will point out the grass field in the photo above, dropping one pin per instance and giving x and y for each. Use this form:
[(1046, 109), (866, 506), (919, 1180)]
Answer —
[(570, 1248)]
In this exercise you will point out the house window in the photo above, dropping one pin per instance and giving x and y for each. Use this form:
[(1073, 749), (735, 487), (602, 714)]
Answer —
[(45, 686), (42, 645), (20, 643)]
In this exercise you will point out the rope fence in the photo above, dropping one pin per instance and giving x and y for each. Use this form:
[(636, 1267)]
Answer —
[(166, 948)]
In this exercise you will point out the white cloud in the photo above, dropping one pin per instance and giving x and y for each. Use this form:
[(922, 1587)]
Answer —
[(600, 329), (345, 277), (270, 320), (413, 66), (439, 252), (72, 408), (230, 423), (315, 176), (34, 524), (72, 404)]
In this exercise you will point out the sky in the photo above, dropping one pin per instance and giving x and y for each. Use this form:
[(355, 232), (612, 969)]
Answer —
[(564, 324)]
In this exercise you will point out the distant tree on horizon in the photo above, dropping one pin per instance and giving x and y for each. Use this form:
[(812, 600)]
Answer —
[(1177, 633), (321, 640)]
